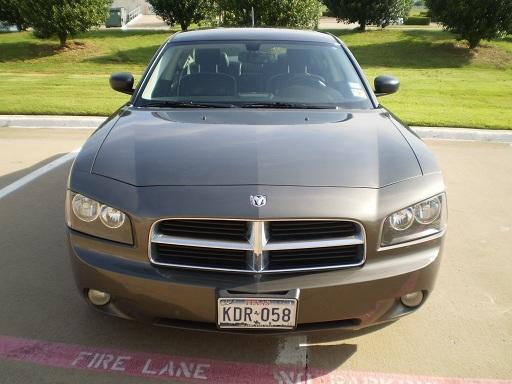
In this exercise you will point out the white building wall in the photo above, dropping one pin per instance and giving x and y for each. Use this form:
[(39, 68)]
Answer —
[(132, 4)]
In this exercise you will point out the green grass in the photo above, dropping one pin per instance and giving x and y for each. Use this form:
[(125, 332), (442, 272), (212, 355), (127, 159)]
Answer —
[(37, 78), (442, 82)]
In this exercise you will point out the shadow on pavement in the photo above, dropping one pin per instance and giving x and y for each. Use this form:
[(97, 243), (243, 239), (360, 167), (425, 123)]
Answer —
[(16, 175)]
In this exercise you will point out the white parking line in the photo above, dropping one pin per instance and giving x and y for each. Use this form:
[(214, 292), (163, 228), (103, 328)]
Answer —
[(37, 173)]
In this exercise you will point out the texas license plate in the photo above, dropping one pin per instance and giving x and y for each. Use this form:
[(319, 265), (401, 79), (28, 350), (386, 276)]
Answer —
[(257, 313)]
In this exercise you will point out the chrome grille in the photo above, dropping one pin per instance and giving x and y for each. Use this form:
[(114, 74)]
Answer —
[(257, 246)]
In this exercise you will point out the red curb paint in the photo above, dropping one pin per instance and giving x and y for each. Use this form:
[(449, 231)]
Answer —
[(196, 370)]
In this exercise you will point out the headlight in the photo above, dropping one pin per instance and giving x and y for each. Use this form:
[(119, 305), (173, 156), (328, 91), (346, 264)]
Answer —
[(84, 208), (420, 220), (89, 216), (111, 217), (402, 220), (428, 211)]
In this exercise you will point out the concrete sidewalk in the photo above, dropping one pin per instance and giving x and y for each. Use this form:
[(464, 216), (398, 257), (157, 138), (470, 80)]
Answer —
[(43, 121), (151, 22), (92, 122), (154, 22)]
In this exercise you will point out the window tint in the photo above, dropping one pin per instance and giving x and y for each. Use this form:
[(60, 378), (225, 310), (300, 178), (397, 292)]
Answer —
[(256, 72)]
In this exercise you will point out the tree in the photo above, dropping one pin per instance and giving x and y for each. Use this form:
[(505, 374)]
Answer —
[(474, 20), (271, 13), (63, 18), (364, 12), (182, 12), (10, 14)]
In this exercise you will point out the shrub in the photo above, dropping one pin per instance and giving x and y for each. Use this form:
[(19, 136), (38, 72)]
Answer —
[(271, 13), (182, 12), (10, 14), (328, 13), (365, 12), (417, 20), (474, 20), (63, 18)]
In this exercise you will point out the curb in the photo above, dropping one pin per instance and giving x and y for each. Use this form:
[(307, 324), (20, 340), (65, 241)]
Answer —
[(92, 122), (58, 122), (466, 134)]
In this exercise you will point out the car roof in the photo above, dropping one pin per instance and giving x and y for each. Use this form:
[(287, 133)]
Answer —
[(271, 34)]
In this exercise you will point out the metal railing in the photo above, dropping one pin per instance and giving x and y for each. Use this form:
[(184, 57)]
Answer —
[(133, 14)]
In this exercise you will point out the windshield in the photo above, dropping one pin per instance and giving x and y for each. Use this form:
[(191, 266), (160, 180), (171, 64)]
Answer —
[(254, 74)]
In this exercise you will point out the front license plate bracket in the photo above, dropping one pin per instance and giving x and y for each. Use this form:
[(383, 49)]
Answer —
[(268, 310)]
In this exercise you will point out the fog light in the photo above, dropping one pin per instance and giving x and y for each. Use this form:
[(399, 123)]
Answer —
[(97, 297), (412, 300)]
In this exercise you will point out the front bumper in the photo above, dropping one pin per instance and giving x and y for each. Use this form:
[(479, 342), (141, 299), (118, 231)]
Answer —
[(349, 299)]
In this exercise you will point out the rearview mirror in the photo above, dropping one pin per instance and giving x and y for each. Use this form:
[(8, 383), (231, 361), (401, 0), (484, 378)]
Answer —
[(386, 85), (122, 82)]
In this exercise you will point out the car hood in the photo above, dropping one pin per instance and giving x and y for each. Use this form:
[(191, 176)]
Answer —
[(256, 147)]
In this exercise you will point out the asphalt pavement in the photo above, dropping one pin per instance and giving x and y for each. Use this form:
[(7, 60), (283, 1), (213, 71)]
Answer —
[(49, 335)]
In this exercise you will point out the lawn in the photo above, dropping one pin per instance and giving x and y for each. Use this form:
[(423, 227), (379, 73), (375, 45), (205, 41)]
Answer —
[(443, 83), (37, 78)]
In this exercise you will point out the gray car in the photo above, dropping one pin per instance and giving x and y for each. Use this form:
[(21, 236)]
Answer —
[(253, 183)]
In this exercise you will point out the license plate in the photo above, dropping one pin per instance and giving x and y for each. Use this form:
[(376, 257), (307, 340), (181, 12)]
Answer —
[(257, 313)]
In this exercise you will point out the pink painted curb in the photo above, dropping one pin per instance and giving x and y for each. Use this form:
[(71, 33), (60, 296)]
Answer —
[(178, 368)]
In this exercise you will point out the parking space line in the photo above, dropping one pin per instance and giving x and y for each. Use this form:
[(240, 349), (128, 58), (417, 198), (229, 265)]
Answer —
[(292, 350), (150, 365), (37, 173)]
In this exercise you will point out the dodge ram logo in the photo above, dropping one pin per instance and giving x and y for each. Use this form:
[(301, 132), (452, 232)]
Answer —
[(258, 200)]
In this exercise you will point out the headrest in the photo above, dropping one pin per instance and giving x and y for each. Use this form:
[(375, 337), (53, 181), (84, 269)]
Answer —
[(298, 59), (211, 56)]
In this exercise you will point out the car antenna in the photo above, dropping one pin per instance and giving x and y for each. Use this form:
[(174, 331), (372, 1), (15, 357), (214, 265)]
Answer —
[(252, 16)]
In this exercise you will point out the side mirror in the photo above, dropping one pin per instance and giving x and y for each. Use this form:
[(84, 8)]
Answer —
[(386, 85), (122, 82)]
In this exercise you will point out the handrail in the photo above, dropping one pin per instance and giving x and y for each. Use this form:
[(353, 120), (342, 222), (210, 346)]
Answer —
[(133, 14)]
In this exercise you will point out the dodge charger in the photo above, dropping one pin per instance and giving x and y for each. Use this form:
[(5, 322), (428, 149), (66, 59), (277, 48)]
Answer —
[(254, 183)]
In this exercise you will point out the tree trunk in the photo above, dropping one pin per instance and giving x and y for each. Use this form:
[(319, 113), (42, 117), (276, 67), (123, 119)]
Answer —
[(184, 25), (362, 24), (473, 42), (63, 37)]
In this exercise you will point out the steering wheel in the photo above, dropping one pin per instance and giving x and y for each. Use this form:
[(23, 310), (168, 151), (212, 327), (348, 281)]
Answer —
[(306, 79), (286, 80)]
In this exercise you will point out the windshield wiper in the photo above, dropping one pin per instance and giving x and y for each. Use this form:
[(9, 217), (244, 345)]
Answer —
[(282, 105), (186, 104)]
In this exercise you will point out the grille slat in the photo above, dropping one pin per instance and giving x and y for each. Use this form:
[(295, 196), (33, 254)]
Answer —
[(310, 230), (304, 233), (337, 252), (204, 233), (229, 245), (205, 257), (315, 257), (205, 229), (204, 224)]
